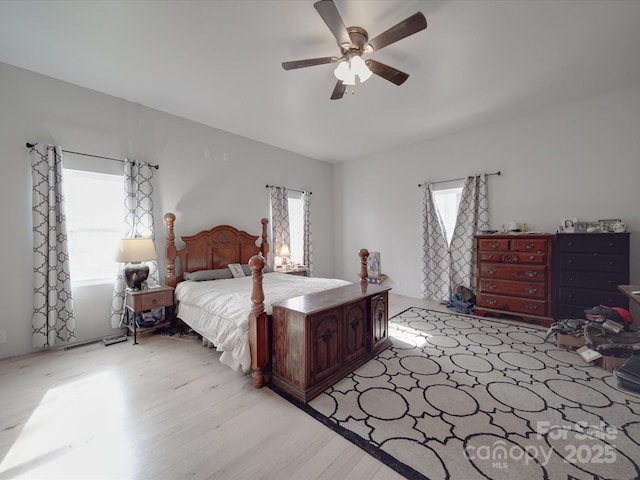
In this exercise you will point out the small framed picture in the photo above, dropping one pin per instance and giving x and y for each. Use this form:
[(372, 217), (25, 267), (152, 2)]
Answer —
[(607, 225), (569, 225), (373, 264), (594, 227), (581, 227)]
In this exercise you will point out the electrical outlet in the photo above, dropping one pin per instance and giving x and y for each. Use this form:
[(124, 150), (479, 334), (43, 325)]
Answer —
[(3, 336)]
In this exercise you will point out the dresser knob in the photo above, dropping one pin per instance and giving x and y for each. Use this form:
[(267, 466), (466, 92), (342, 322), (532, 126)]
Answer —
[(531, 274), (491, 301), (529, 246), (530, 306), (154, 301), (491, 271), (532, 290), (492, 286), (494, 245)]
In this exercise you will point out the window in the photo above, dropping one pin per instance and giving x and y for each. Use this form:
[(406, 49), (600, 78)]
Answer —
[(296, 227), (447, 201), (95, 222)]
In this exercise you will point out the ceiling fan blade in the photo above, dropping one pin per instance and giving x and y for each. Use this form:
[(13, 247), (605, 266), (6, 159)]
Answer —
[(408, 26), (310, 62), (338, 91), (329, 13), (388, 73)]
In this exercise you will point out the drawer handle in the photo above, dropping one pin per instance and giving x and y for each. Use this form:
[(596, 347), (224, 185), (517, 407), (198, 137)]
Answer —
[(529, 246), (154, 301), (570, 262), (492, 286), (530, 306), (570, 295), (491, 301), (532, 290), (530, 273), (494, 245), (491, 271), (531, 257)]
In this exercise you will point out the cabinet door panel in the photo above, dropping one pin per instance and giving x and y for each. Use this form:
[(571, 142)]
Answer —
[(355, 331), (326, 348), (379, 320)]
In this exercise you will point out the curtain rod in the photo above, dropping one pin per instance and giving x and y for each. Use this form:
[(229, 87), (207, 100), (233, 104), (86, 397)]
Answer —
[(292, 189), (32, 145), (461, 178)]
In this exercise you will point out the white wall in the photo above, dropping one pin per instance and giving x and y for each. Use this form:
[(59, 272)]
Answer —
[(225, 184), (575, 160)]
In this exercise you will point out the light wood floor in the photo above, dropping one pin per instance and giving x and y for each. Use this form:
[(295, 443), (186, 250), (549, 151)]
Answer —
[(163, 409)]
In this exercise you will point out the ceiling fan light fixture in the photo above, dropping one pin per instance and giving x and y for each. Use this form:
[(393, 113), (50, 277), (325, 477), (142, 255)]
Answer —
[(344, 73), (359, 68)]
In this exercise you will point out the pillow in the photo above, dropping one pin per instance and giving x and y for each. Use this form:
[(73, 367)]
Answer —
[(248, 272), (202, 275)]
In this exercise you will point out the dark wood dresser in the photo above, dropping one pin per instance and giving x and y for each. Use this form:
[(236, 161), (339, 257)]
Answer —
[(587, 269), (514, 275), (321, 337)]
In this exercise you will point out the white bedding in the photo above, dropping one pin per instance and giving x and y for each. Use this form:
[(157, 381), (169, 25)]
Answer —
[(219, 309)]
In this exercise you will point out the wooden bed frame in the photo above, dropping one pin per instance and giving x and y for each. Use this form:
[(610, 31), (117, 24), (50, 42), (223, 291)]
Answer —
[(217, 248)]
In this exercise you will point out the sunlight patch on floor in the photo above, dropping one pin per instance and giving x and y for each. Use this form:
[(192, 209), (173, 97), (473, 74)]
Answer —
[(77, 431)]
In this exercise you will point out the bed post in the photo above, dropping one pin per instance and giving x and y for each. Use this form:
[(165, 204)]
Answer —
[(170, 250), (364, 255), (264, 246), (259, 342)]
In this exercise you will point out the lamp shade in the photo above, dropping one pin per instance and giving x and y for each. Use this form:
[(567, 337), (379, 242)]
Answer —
[(134, 250)]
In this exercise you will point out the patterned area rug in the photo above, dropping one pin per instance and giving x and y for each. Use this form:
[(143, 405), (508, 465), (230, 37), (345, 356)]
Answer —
[(464, 397)]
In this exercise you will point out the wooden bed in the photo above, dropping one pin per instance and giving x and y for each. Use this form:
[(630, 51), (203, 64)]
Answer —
[(218, 247)]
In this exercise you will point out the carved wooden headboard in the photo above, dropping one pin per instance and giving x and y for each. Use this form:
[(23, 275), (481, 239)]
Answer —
[(211, 249)]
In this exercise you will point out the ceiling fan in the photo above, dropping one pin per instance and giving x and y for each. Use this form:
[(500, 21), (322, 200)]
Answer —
[(354, 42)]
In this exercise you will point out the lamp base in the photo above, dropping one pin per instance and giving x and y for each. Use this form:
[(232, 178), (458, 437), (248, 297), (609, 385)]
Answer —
[(136, 274)]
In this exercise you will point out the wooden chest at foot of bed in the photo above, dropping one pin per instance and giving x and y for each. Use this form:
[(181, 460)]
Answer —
[(321, 337)]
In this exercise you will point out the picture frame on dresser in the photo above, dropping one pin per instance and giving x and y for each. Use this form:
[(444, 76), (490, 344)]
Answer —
[(568, 225)]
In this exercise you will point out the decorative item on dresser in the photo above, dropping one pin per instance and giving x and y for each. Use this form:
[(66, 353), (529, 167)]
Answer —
[(587, 269), (514, 276)]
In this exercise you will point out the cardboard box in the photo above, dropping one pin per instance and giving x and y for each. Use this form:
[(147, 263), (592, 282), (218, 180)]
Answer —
[(608, 363), (569, 341)]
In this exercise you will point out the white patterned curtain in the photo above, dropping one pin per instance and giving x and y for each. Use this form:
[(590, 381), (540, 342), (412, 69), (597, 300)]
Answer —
[(473, 215), (447, 266), (53, 317), (307, 253), (435, 258), (138, 202), (280, 220)]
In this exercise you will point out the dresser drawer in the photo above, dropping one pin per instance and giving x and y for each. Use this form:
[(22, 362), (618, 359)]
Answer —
[(494, 244), (518, 289), (594, 262), (512, 304), (533, 273), (147, 299), (530, 245), (593, 243), (592, 280), (591, 298)]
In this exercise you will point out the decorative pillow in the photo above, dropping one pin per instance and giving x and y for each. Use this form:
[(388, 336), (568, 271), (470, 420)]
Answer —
[(236, 270), (202, 275)]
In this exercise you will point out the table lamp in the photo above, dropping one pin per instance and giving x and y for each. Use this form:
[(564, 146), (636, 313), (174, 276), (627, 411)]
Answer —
[(132, 252)]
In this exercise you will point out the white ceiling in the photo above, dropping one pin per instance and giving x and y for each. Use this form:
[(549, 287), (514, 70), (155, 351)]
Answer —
[(219, 62)]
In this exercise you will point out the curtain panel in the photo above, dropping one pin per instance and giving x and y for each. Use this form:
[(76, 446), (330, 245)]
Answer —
[(53, 319), (138, 206), (307, 254), (280, 221), (444, 267)]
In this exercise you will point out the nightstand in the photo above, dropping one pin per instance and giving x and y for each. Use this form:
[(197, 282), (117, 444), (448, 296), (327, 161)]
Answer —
[(300, 271), (142, 300)]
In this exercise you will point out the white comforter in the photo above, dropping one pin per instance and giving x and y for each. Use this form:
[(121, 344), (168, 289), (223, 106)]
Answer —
[(219, 309)]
